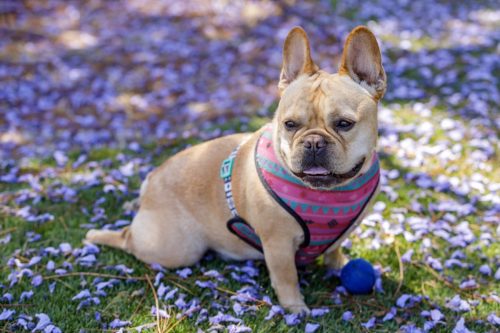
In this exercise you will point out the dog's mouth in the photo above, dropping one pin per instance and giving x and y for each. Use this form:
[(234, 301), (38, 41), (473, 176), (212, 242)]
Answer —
[(318, 175)]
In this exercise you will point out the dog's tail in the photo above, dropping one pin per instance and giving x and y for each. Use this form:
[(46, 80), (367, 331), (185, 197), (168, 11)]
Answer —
[(118, 239)]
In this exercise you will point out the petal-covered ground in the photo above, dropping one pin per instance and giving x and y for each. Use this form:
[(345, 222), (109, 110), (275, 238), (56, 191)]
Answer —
[(95, 94)]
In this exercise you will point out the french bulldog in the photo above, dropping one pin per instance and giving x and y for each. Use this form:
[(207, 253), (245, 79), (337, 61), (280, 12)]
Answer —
[(291, 191)]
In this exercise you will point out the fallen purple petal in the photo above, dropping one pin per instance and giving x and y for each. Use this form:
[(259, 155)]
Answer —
[(292, 319), (458, 304), (347, 316), (82, 294), (493, 319), (311, 328), (460, 327), (43, 321), (319, 312), (117, 323), (273, 311), (184, 273), (390, 315), (238, 329), (223, 318), (6, 314), (436, 315), (26, 295), (370, 323), (485, 270)]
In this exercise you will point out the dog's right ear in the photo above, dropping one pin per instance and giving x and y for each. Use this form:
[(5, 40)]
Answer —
[(296, 58)]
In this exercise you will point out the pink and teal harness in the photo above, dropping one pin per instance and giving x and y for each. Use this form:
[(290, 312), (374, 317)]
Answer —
[(324, 215)]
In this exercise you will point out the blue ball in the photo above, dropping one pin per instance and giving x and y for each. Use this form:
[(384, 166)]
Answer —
[(358, 277)]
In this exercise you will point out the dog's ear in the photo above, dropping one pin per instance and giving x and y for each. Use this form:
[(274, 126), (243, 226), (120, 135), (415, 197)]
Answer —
[(296, 58), (362, 61)]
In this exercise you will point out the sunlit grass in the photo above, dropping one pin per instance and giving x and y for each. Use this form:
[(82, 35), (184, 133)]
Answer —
[(133, 301)]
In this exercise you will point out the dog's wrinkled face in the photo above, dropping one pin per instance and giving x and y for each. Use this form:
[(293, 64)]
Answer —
[(326, 124)]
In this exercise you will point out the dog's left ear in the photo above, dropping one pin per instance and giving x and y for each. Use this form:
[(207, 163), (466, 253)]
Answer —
[(296, 58), (362, 61)]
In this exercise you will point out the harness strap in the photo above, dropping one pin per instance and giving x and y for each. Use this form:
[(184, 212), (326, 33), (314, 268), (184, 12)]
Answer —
[(320, 240), (226, 171)]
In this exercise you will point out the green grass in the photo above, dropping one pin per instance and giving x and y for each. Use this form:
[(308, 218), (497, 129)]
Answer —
[(133, 300)]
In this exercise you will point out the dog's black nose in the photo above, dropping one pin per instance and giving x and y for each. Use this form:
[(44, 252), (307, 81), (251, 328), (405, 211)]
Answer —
[(315, 143)]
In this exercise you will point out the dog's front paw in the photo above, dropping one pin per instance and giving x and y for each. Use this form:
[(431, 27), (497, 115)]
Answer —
[(300, 308)]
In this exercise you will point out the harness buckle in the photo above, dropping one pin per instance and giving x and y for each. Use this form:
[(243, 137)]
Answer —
[(226, 169)]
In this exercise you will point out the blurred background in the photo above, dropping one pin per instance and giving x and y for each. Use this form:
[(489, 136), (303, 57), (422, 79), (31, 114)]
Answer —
[(82, 74)]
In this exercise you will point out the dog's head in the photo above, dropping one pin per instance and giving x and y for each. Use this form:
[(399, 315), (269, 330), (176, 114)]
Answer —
[(325, 127)]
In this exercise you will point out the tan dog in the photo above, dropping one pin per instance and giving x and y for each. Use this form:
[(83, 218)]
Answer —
[(183, 209)]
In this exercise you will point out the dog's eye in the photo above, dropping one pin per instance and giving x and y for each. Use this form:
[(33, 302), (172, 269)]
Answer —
[(343, 125), (290, 125)]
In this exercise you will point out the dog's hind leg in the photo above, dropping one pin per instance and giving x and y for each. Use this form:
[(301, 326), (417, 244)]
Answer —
[(118, 239), (335, 258)]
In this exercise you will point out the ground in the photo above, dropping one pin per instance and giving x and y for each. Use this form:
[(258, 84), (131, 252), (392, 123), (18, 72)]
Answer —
[(94, 96)]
